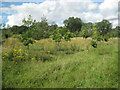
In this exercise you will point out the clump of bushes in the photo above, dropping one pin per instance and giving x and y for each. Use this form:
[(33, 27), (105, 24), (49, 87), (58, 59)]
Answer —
[(28, 41), (15, 55), (19, 55)]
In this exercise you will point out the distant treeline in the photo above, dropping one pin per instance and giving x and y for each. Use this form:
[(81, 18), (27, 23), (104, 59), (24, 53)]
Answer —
[(41, 30)]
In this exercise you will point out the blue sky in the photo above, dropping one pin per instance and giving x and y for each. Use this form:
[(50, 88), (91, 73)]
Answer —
[(7, 5), (88, 11)]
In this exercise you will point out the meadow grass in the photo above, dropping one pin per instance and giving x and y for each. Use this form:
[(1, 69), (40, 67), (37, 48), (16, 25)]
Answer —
[(73, 64)]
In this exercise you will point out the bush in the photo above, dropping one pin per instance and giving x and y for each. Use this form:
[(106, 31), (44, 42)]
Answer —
[(68, 35), (15, 55), (28, 41), (94, 44), (56, 36)]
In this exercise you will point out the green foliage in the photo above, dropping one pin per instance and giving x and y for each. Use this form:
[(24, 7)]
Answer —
[(73, 24), (93, 43), (84, 32), (28, 41), (28, 22), (89, 26), (6, 33), (63, 30), (96, 35), (104, 27), (19, 37), (106, 38), (37, 32), (18, 29), (61, 33), (41, 30), (115, 32), (68, 35), (57, 36), (15, 55), (102, 30)]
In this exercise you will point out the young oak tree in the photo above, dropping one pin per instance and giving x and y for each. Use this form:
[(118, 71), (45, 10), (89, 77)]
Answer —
[(57, 36), (25, 37), (68, 35), (84, 32), (29, 21), (96, 35), (28, 41)]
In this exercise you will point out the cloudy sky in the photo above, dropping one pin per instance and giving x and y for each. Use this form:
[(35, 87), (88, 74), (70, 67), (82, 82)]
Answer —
[(13, 11)]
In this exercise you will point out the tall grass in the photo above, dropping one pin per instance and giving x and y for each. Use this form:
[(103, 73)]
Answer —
[(71, 65)]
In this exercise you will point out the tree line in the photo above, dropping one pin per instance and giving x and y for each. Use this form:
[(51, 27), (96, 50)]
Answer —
[(73, 27)]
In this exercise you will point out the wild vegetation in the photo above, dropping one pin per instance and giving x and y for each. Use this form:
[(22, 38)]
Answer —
[(76, 55)]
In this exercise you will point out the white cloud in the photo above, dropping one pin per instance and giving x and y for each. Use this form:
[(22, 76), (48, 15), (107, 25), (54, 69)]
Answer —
[(109, 7), (22, 0), (92, 17), (109, 10), (41, 0), (53, 10), (115, 23), (61, 10)]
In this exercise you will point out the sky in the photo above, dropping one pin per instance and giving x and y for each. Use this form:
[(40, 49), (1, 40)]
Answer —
[(13, 11)]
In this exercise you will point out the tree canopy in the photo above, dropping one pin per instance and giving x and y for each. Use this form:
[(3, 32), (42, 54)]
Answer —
[(73, 27), (104, 27), (73, 24)]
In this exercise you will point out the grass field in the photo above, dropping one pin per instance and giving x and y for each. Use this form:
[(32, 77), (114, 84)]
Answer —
[(73, 64)]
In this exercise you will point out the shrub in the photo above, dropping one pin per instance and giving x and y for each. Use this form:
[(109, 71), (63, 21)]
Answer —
[(68, 35), (57, 36), (94, 44), (15, 55), (28, 41)]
